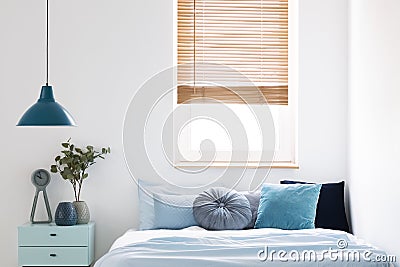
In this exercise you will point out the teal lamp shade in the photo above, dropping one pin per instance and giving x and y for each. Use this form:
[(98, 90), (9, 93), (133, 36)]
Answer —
[(46, 112)]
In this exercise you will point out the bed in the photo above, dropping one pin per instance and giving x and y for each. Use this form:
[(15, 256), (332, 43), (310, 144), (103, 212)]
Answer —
[(197, 247), (292, 224)]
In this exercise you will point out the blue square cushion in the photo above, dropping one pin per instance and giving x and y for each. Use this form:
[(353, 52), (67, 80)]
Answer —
[(289, 207), (331, 213)]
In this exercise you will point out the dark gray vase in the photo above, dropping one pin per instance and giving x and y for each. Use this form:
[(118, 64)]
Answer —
[(65, 214), (82, 210)]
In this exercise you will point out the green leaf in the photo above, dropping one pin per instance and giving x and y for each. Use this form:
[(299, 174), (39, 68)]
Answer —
[(70, 176), (78, 150), (57, 158), (66, 152), (90, 148), (109, 150), (103, 150), (85, 176), (53, 169), (71, 148), (66, 145)]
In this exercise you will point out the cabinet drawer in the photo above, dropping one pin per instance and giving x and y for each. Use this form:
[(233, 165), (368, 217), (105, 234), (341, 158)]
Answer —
[(38, 235), (53, 256)]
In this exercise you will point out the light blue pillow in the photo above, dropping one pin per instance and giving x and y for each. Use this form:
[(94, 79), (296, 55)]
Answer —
[(288, 207), (173, 211), (146, 191)]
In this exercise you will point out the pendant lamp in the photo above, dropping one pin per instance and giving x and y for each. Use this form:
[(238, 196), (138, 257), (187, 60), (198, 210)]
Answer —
[(46, 111)]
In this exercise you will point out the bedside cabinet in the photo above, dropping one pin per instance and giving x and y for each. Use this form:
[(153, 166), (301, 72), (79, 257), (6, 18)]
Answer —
[(52, 245)]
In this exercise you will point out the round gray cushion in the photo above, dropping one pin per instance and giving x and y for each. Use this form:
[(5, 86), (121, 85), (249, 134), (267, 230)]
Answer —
[(222, 209)]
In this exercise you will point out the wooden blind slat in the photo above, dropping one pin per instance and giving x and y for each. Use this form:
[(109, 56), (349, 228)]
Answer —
[(248, 37)]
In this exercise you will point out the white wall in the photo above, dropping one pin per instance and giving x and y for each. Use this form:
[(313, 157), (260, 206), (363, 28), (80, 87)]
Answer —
[(101, 52), (374, 132)]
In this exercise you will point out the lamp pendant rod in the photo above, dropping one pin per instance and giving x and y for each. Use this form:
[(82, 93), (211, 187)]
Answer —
[(47, 43), (194, 46)]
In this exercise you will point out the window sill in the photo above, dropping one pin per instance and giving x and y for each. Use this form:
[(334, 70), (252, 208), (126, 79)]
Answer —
[(275, 165)]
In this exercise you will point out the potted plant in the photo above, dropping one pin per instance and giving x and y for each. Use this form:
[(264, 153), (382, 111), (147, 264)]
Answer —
[(73, 164)]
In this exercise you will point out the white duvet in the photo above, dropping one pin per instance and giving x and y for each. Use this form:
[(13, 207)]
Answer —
[(196, 247)]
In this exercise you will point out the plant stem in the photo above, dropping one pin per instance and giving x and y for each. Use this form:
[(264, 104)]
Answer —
[(74, 186), (80, 181), (79, 190)]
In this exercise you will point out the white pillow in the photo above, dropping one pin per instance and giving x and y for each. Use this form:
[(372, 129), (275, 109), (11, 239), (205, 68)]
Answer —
[(146, 203)]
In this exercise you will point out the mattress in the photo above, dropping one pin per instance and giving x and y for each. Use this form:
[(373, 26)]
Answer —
[(196, 247)]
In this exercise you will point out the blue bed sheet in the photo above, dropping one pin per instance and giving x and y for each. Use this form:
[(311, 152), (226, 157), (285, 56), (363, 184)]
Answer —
[(258, 247)]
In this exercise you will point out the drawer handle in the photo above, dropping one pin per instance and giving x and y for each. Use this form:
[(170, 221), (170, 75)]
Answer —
[(53, 234), (53, 255)]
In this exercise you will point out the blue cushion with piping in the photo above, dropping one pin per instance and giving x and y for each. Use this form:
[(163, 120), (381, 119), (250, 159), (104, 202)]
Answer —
[(289, 207)]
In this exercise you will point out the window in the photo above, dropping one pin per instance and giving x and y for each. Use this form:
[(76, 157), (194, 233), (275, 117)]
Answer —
[(230, 53)]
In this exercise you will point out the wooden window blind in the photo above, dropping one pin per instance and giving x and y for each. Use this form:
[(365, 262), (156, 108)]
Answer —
[(248, 36)]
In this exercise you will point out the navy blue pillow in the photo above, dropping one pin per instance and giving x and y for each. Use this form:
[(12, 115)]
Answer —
[(331, 212)]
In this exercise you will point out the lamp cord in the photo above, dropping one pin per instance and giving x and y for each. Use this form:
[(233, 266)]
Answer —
[(194, 46), (47, 43)]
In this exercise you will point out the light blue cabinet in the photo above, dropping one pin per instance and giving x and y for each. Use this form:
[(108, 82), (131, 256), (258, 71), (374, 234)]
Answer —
[(52, 245)]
